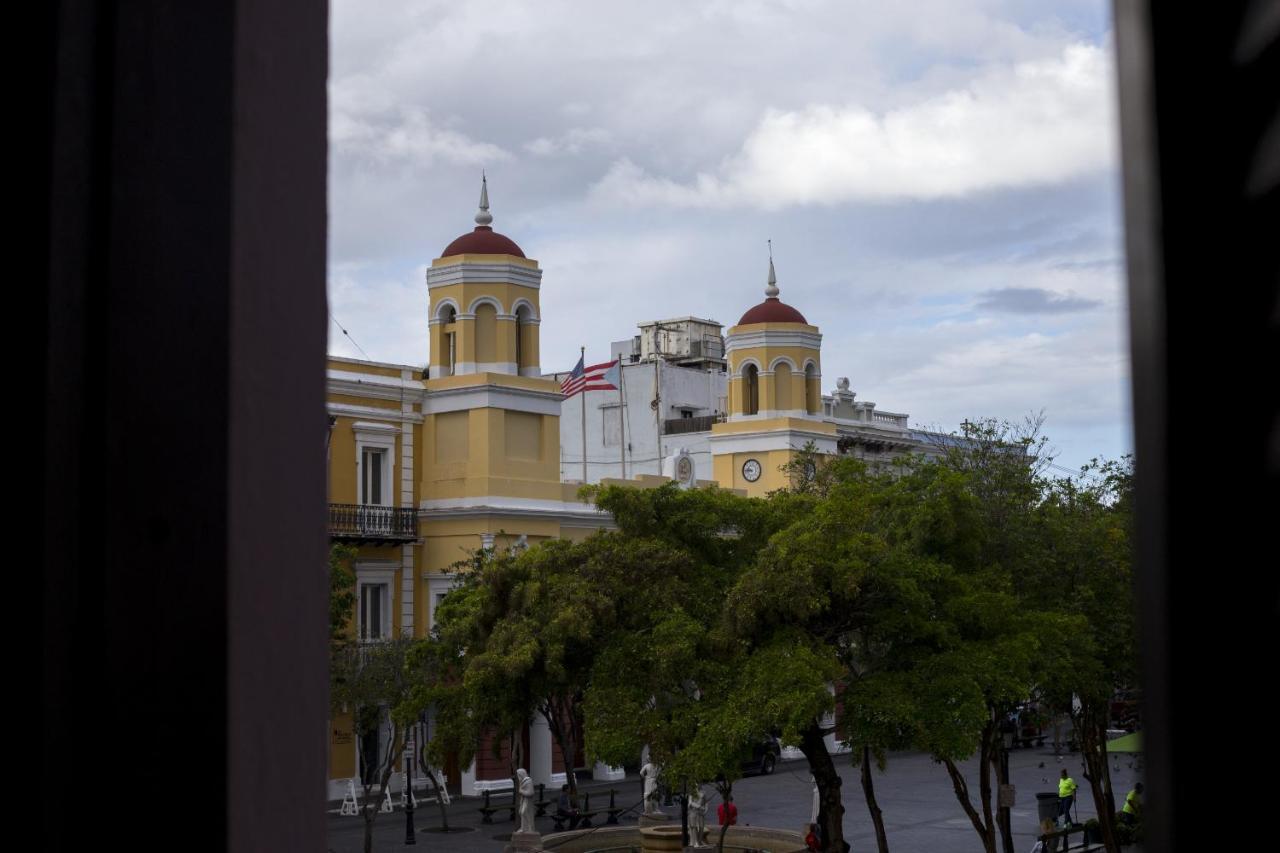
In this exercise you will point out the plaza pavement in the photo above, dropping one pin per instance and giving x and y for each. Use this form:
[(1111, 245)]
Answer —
[(915, 794)]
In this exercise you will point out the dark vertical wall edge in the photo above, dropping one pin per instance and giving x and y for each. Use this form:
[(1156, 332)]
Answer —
[(277, 586), (1147, 342)]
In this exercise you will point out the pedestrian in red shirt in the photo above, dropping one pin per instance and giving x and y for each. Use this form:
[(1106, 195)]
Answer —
[(727, 812), (811, 842)]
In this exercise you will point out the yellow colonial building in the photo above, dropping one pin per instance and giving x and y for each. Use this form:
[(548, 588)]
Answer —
[(428, 466)]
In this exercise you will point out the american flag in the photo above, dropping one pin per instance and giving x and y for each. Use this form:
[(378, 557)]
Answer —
[(597, 377)]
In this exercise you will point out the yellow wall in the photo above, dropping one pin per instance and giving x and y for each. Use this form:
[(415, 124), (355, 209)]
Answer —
[(343, 464), (728, 471)]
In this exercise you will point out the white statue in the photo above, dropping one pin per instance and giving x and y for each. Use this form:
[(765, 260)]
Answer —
[(817, 801), (526, 800), (649, 773), (697, 817)]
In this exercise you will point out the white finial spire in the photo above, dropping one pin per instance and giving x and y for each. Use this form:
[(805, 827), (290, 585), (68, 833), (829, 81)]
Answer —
[(772, 290), (483, 216)]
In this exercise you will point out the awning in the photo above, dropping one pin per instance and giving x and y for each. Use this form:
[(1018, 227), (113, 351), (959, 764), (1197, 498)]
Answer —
[(1128, 743)]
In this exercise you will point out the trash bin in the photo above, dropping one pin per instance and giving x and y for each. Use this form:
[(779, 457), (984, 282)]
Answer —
[(1046, 807)]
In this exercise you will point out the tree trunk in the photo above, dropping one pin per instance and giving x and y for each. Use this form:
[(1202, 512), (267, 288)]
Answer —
[(869, 791), (1091, 723), (1000, 764), (830, 807), (371, 805), (726, 797), (440, 793), (962, 794), (984, 782), (559, 716)]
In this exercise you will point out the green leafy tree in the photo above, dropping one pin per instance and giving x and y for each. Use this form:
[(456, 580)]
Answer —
[(1085, 570), (342, 592), (534, 625), (373, 681), (670, 678)]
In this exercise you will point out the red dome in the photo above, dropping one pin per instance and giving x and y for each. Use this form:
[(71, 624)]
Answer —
[(482, 241), (772, 310)]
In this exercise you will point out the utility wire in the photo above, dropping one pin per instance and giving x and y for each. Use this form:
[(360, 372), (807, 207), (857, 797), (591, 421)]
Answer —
[(348, 334)]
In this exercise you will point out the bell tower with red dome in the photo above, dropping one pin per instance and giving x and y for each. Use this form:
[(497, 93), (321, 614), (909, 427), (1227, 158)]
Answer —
[(775, 396)]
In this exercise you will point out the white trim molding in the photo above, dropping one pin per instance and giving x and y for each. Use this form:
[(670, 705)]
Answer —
[(348, 410), (521, 302), (493, 397), (772, 338), (437, 317), (485, 300), (759, 442), (568, 512), (476, 273)]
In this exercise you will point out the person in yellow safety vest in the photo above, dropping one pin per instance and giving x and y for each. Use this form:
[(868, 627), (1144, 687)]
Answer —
[(1066, 796), (1132, 811)]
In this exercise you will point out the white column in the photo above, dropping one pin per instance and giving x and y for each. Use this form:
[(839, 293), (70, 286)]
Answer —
[(829, 720), (469, 788), (408, 583), (540, 750)]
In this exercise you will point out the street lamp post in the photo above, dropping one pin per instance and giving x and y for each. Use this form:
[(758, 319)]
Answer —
[(408, 791)]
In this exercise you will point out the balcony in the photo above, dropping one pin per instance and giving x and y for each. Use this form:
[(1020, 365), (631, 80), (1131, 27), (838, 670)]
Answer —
[(373, 525), (675, 426)]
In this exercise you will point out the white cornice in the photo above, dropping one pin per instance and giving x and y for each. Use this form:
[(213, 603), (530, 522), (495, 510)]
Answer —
[(759, 442), (473, 273), (349, 411), (772, 338), (568, 513), (379, 428), (392, 364), (493, 397), (375, 388)]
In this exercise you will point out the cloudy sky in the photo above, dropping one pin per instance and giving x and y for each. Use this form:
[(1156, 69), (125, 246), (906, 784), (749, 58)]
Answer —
[(939, 179)]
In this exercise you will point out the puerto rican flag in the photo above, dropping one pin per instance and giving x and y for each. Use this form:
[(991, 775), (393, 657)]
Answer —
[(597, 377)]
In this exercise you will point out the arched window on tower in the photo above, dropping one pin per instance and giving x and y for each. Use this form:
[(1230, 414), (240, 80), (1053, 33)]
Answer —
[(812, 394), (449, 343), (750, 390), (523, 331)]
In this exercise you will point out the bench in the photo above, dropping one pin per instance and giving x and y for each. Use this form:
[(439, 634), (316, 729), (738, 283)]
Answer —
[(1065, 834), (586, 813), (487, 810)]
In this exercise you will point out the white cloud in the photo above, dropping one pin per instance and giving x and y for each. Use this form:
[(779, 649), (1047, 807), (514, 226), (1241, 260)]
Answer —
[(1031, 123), (572, 142), (405, 134)]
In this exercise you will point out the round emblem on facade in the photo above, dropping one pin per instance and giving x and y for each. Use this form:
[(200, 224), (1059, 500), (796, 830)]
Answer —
[(751, 470), (684, 469)]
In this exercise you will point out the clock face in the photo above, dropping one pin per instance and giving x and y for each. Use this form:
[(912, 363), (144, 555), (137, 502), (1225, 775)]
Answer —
[(751, 470)]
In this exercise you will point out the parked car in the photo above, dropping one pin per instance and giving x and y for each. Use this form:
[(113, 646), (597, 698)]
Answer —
[(764, 756)]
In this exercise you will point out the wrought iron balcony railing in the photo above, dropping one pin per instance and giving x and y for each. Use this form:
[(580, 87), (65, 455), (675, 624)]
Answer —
[(373, 524)]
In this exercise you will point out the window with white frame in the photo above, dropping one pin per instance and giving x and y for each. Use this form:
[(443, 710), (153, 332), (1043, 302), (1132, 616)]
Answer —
[(375, 611), (375, 463), (373, 600)]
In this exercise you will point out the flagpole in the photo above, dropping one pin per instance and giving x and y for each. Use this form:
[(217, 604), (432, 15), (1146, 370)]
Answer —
[(584, 421), (622, 420)]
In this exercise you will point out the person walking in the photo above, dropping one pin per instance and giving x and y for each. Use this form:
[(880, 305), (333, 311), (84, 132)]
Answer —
[(727, 812), (1066, 796), (567, 809), (1132, 811)]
